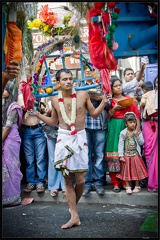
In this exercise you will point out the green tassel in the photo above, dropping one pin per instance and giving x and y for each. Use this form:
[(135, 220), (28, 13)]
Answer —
[(109, 44), (115, 24), (108, 37), (114, 15), (111, 28)]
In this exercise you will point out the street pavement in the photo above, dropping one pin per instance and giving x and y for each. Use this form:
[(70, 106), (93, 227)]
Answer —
[(44, 220), (144, 198)]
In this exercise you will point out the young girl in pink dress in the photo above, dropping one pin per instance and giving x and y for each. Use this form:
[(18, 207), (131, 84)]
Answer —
[(129, 150)]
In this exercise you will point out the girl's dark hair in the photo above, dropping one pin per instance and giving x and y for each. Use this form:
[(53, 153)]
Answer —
[(147, 85), (129, 116), (58, 73), (113, 79)]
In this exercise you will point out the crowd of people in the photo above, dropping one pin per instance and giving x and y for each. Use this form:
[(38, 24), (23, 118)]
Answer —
[(80, 136)]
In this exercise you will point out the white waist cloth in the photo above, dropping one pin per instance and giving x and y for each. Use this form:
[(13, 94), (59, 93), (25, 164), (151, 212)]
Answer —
[(71, 152)]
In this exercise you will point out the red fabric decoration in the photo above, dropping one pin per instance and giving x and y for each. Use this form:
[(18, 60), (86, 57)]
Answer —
[(106, 87), (101, 56), (12, 43), (28, 97), (105, 17), (95, 12)]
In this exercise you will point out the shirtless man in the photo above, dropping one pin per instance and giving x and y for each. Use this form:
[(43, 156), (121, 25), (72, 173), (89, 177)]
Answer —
[(10, 72), (71, 153)]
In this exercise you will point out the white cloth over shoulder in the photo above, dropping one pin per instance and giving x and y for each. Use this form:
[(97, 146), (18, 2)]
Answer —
[(71, 153)]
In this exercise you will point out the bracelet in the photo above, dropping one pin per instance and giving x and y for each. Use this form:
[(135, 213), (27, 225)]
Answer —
[(110, 113)]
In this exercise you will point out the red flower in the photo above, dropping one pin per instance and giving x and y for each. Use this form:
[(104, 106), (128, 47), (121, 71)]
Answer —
[(29, 80), (74, 132), (73, 95), (99, 5), (111, 4), (60, 99), (41, 60), (117, 10), (46, 16), (72, 125), (44, 57)]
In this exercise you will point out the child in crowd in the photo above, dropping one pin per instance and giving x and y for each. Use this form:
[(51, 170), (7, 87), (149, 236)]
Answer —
[(132, 165)]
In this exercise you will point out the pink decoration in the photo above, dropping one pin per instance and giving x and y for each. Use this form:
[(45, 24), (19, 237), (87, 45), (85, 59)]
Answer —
[(115, 46)]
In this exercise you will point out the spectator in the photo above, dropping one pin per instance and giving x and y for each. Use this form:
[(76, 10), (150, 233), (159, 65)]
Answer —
[(55, 178), (34, 148), (88, 73), (96, 130), (115, 126), (11, 119), (131, 82), (129, 150), (150, 134), (52, 70)]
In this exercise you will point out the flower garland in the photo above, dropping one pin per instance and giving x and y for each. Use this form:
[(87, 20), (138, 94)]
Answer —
[(71, 122)]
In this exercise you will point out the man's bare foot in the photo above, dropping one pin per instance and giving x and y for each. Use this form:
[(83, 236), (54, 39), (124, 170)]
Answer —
[(71, 223)]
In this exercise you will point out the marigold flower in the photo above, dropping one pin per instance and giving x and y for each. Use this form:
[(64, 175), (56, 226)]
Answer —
[(46, 28)]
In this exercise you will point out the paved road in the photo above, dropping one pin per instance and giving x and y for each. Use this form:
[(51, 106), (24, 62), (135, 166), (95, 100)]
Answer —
[(44, 220)]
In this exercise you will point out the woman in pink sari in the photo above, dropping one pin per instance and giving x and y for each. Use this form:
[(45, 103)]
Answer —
[(150, 134), (11, 119)]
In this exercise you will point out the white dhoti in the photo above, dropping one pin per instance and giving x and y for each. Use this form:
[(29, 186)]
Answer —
[(71, 152)]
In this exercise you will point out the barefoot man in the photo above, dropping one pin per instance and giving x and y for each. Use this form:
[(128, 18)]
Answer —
[(71, 153)]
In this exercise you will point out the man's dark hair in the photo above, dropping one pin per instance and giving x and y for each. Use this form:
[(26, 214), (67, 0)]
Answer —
[(127, 69), (147, 85), (58, 73)]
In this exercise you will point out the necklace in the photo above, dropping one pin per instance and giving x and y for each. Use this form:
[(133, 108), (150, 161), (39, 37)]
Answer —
[(70, 122)]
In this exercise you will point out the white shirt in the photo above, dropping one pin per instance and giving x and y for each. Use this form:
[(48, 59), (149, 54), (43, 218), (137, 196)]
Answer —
[(129, 87)]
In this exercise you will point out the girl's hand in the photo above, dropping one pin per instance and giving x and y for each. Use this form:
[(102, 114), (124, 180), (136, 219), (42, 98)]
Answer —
[(118, 107), (135, 133), (122, 159)]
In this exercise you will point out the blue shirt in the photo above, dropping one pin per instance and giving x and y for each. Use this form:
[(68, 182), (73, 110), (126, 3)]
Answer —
[(92, 123)]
